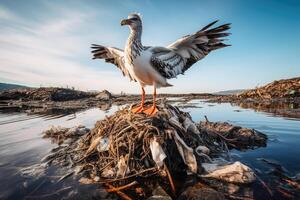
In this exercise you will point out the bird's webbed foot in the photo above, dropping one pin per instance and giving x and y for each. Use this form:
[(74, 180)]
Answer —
[(138, 109), (151, 111)]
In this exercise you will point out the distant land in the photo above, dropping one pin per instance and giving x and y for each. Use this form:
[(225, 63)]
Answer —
[(8, 86), (229, 92)]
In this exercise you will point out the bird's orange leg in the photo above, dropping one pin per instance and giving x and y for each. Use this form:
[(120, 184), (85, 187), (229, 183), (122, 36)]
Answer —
[(153, 109), (140, 108)]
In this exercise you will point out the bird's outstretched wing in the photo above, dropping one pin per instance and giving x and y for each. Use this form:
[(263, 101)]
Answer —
[(111, 55), (183, 53)]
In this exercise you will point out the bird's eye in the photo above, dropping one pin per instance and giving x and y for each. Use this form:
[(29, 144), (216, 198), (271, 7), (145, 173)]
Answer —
[(134, 19)]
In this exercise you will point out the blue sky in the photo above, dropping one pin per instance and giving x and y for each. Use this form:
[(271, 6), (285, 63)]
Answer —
[(48, 42)]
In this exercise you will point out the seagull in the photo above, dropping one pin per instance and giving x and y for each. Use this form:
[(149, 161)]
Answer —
[(154, 65)]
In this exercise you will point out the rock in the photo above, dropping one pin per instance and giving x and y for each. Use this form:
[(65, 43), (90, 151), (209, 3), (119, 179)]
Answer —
[(233, 173), (159, 194), (200, 192), (104, 95), (77, 130), (202, 149)]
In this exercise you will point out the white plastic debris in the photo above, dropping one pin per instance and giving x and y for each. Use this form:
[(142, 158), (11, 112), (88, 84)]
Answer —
[(158, 154), (214, 164), (93, 145), (108, 172), (103, 144), (233, 173), (122, 166), (210, 167), (186, 153), (189, 125), (175, 122)]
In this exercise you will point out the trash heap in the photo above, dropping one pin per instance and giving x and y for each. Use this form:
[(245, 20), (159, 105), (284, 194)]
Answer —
[(276, 89), (125, 148)]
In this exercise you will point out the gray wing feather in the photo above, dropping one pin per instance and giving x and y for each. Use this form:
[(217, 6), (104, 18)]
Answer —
[(167, 62), (183, 53), (111, 55)]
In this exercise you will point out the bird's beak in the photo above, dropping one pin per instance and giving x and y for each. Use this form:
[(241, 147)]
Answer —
[(125, 22)]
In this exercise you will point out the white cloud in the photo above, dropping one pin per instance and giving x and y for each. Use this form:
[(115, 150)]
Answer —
[(6, 14), (49, 53)]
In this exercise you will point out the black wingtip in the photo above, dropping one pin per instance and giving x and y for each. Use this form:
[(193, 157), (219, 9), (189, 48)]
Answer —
[(209, 25)]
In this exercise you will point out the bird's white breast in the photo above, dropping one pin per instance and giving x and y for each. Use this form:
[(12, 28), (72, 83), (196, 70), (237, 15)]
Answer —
[(144, 72)]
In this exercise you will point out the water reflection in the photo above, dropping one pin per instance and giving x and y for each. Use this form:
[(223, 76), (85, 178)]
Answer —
[(290, 110)]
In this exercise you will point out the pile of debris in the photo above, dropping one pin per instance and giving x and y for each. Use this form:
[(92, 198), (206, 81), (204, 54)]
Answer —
[(277, 89), (44, 94), (282, 91), (134, 152), (237, 137)]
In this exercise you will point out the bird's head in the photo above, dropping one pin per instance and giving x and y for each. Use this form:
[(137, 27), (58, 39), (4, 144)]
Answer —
[(133, 20)]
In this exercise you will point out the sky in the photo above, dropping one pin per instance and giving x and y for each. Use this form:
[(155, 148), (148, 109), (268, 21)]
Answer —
[(47, 43)]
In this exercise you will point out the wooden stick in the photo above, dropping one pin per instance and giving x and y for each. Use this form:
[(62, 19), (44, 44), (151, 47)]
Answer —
[(120, 179), (170, 179), (292, 183), (264, 185), (121, 194), (238, 198), (206, 119), (123, 187), (50, 194)]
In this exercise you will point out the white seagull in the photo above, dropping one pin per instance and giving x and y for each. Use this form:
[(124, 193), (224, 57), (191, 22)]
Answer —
[(152, 65)]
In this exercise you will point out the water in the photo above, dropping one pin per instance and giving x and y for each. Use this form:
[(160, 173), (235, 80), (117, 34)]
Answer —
[(21, 144)]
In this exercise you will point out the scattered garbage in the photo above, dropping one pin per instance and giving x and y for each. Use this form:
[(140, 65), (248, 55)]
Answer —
[(60, 134), (158, 154), (127, 150), (236, 137), (233, 173)]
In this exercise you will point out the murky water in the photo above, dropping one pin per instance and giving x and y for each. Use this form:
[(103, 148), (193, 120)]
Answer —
[(21, 144)]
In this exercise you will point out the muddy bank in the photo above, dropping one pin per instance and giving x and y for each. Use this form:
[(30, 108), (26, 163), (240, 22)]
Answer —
[(67, 101), (139, 157), (44, 94), (285, 90), (64, 101), (281, 98), (45, 100)]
